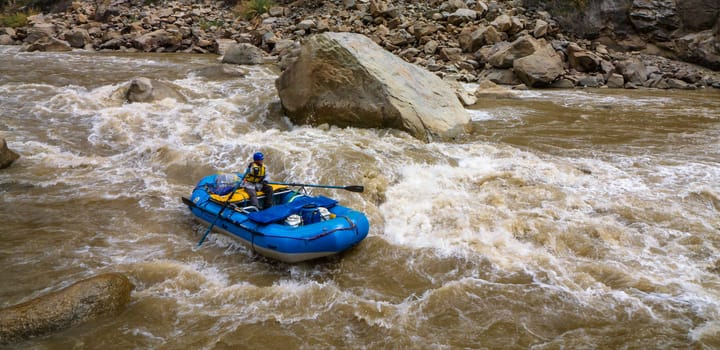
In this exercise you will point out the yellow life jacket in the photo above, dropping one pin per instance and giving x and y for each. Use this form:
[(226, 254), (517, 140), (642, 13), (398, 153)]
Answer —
[(256, 173), (240, 195)]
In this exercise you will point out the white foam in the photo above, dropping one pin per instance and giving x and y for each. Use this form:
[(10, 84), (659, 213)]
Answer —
[(478, 115)]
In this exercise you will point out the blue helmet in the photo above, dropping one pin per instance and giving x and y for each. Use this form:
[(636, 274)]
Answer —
[(258, 156)]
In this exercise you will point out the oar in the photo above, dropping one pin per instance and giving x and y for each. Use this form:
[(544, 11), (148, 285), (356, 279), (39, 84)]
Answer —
[(225, 205), (347, 188)]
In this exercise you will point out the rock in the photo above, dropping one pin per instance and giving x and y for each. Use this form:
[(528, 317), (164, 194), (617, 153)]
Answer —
[(244, 53), (6, 39), (77, 37), (679, 84), (81, 302), (306, 24), (472, 39), (698, 15), (702, 48), (148, 90), (421, 29), (541, 68), (563, 83), (657, 18), (499, 76), (157, 39), (7, 31), (465, 97), (461, 16), (503, 23), (541, 28), (582, 60), (349, 4), (105, 10), (633, 70), (487, 89), (276, 11), (38, 33), (431, 47), (7, 156), (507, 54), (615, 81), (50, 45), (346, 79), (591, 81), (221, 72)]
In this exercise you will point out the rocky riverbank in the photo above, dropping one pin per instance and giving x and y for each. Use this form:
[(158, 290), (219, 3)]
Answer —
[(468, 41)]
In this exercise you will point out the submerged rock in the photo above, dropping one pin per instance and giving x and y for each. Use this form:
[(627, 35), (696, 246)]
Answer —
[(83, 301), (346, 79), (148, 90), (7, 156)]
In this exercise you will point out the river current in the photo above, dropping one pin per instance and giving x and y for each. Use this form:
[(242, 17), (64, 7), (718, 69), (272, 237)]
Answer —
[(565, 219)]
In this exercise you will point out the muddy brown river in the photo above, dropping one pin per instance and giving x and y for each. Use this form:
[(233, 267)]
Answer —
[(567, 219)]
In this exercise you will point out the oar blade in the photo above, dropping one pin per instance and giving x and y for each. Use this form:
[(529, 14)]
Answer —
[(359, 189)]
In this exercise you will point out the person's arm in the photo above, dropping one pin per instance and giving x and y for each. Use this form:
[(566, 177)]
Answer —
[(266, 179)]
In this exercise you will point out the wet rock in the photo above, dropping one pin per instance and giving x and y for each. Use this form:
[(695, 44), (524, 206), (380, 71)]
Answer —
[(245, 54), (148, 90), (466, 97), (221, 72), (49, 44), (563, 83), (346, 79), (81, 302), (7, 156), (489, 90)]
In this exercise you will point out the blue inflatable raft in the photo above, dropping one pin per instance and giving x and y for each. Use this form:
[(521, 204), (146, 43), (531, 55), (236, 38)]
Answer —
[(296, 228)]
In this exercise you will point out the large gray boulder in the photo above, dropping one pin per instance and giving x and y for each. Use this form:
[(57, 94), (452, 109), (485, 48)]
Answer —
[(346, 79), (7, 156), (81, 302)]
